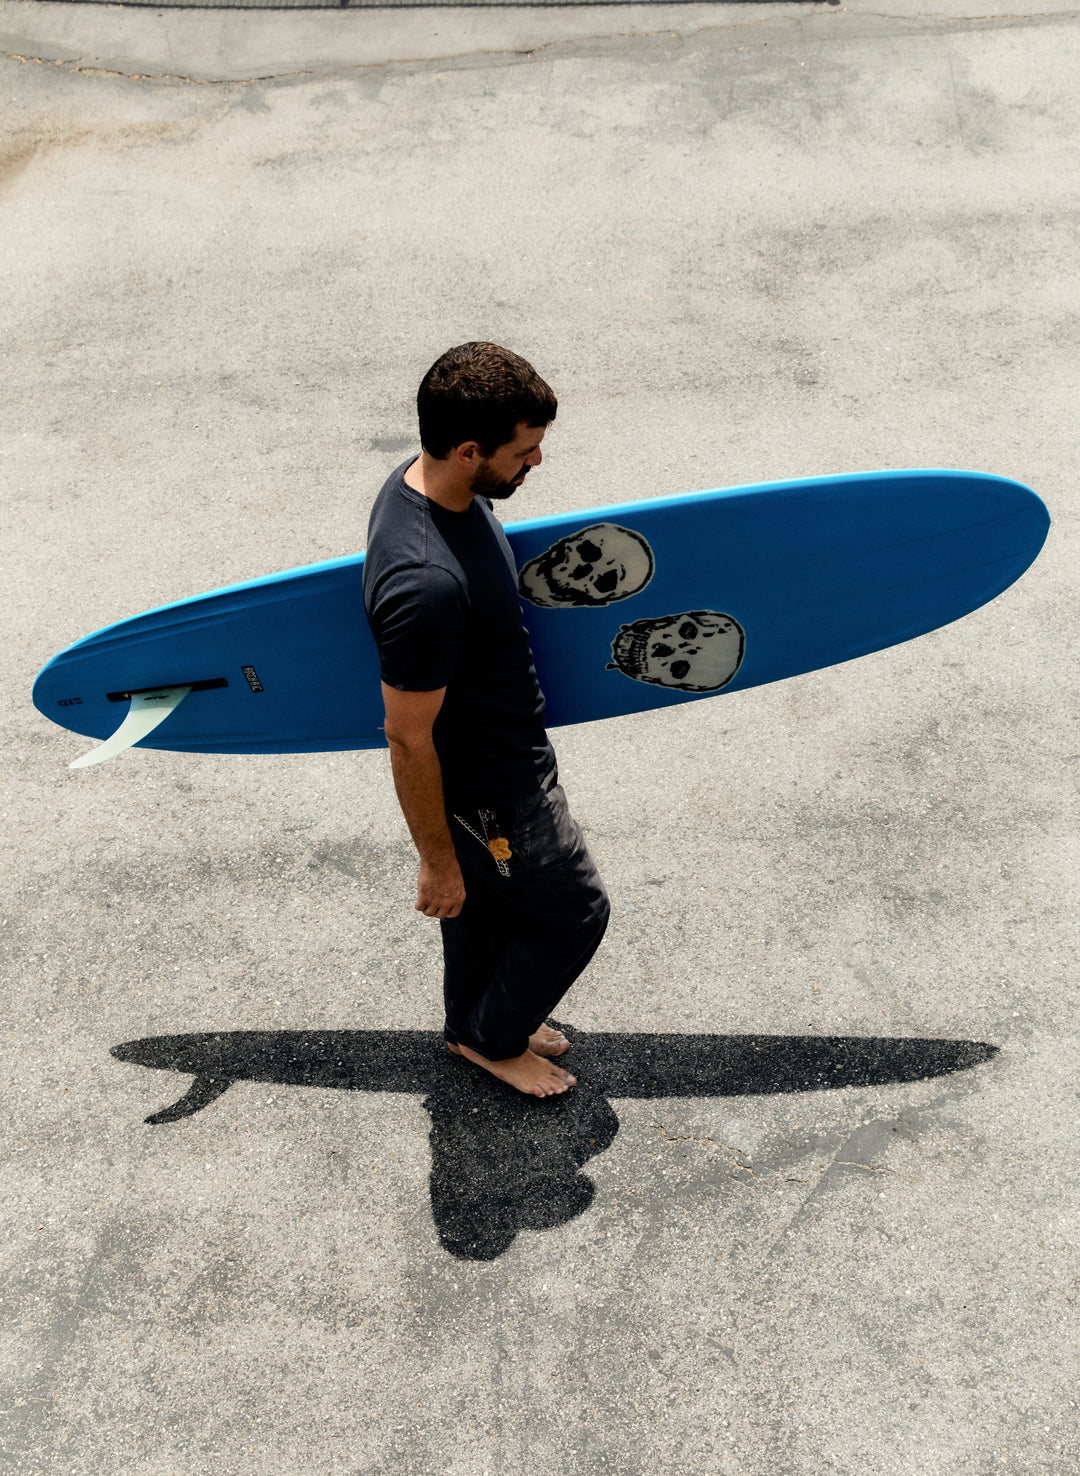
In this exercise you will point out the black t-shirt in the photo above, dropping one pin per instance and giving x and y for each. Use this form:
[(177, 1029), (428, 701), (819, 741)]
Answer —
[(440, 590)]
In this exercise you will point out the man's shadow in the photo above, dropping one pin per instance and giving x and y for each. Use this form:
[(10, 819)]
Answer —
[(502, 1162)]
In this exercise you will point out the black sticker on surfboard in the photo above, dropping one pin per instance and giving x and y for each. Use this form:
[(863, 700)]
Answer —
[(594, 566), (697, 651), (252, 678)]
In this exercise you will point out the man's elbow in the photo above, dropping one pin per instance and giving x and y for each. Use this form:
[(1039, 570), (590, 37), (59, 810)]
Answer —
[(409, 742), (410, 719)]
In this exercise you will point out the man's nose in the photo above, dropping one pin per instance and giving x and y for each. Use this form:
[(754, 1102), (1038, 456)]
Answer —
[(534, 458)]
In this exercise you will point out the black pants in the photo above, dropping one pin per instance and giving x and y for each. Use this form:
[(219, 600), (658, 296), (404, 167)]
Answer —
[(530, 924)]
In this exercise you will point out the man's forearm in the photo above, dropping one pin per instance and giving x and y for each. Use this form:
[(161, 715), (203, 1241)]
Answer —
[(440, 887), (418, 782)]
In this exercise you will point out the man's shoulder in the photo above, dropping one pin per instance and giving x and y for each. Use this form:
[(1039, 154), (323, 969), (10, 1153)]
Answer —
[(399, 528), (396, 505), (406, 557)]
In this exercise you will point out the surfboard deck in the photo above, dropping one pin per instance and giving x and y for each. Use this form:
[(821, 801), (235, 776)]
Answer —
[(628, 607)]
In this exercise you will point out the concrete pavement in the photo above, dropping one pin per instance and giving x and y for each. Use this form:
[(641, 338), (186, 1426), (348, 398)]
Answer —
[(763, 242)]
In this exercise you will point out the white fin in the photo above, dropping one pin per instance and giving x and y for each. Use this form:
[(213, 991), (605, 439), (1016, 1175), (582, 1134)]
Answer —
[(147, 710)]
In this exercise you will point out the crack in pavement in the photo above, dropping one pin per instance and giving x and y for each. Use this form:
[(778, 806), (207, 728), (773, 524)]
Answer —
[(827, 9), (716, 1143), (738, 1167), (866, 1141), (85, 71)]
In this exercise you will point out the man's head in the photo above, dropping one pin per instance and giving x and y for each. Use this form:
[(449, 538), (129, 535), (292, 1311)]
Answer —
[(489, 407)]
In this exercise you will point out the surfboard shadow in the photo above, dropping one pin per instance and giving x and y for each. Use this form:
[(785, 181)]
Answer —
[(502, 1162)]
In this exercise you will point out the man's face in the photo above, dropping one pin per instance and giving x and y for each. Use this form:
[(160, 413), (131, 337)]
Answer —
[(501, 474)]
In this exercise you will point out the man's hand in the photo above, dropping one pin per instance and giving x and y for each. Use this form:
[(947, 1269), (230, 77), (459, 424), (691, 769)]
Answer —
[(440, 891)]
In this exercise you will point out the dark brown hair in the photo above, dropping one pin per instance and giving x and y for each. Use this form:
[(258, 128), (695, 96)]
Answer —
[(480, 392)]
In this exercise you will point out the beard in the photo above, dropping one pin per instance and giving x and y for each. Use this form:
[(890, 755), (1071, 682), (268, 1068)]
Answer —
[(486, 484)]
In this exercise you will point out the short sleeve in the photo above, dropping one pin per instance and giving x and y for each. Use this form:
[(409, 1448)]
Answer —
[(416, 616)]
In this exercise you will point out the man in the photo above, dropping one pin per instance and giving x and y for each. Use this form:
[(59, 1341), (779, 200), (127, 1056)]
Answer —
[(503, 865)]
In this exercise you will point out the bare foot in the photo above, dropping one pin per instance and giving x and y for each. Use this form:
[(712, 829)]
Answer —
[(543, 1042), (528, 1072), (548, 1042)]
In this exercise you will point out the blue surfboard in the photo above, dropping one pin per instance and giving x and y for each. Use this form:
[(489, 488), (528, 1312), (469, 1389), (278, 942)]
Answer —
[(628, 607)]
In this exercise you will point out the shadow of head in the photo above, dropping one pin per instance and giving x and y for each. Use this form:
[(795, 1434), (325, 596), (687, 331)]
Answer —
[(502, 1162)]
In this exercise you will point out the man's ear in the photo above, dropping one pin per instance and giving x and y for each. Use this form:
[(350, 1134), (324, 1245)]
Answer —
[(468, 454)]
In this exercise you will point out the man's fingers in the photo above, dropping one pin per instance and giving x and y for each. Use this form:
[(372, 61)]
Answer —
[(439, 909)]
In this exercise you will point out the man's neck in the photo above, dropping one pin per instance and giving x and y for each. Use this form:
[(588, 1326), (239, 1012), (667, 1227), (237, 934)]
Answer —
[(440, 481)]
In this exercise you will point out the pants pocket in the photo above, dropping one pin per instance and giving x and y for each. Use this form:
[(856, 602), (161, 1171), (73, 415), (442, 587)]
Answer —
[(487, 832), (545, 833)]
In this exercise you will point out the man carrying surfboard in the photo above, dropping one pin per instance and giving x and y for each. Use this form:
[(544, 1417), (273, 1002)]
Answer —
[(503, 864)]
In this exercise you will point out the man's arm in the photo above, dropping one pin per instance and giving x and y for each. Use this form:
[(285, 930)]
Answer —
[(410, 716)]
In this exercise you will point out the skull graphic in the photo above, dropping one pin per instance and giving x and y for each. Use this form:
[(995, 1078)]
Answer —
[(595, 566), (698, 651)]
